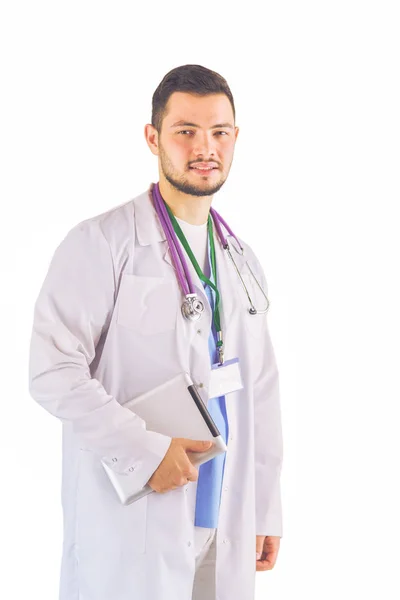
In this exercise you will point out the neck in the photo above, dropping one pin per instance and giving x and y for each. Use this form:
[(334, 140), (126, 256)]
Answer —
[(192, 209)]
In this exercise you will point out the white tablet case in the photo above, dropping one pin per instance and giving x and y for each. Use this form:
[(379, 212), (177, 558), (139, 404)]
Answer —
[(176, 409)]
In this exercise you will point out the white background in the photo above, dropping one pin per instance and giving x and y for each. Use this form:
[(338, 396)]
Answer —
[(314, 188)]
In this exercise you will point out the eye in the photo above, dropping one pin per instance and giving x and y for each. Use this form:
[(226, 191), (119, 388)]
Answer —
[(216, 133)]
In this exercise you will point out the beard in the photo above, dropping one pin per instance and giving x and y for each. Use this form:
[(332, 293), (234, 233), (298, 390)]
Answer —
[(181, 183)]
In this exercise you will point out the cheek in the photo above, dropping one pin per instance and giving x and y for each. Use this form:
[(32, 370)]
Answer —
[(227, 154), (180, 151)]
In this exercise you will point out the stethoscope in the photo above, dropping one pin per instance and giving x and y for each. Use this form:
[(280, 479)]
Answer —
[(192, 307)]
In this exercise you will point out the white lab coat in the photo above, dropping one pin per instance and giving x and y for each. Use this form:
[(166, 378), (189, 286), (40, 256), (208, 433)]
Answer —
[(107, 327)]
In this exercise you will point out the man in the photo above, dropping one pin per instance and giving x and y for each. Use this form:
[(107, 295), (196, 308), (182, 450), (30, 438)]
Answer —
[(108, 326)]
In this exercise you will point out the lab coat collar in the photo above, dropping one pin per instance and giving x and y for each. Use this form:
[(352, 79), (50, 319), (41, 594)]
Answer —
[(148, 226), (149, 231)]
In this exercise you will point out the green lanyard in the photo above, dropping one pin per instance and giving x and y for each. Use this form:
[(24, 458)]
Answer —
[(202, 277)]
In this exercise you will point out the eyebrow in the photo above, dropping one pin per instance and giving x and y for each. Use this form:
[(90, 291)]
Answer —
[(187, 124)]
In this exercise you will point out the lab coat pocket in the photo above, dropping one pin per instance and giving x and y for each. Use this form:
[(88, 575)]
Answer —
[(106, 529), (148, 305)]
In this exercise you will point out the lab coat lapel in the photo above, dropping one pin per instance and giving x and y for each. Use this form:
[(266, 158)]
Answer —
[(149, 231)]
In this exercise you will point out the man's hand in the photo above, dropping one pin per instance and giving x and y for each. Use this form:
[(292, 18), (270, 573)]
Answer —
[(267, 547), (176, 468)]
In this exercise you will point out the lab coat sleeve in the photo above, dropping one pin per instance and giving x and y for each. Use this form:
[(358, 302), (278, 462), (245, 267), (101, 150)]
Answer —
[(268, 437), (73, 309)]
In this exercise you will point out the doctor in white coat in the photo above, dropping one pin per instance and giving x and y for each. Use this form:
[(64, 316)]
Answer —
[(107, 327)]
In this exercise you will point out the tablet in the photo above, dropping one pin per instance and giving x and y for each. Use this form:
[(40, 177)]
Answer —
[(174, 408)]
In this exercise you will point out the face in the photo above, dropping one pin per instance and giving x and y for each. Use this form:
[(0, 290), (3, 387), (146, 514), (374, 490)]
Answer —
[(197, 131)]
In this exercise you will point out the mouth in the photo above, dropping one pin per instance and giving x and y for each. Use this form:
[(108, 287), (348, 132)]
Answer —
[(203, 170)]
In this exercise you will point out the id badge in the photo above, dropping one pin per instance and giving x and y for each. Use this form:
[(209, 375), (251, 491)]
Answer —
[(225, 378)]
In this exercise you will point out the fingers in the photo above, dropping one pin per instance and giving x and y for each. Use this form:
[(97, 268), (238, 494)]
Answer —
[(162, 484), (267, 552), (175, 470), (264, 565), (267, 561)]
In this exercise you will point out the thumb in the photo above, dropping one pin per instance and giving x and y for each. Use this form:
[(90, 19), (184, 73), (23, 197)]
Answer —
[(198, 446), (259, 546)]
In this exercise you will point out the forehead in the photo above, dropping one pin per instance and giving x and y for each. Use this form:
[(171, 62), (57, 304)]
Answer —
[(205, 110)]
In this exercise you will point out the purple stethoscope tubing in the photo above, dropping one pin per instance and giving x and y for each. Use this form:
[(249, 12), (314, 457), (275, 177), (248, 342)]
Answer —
[(218, 220), (176, 251)]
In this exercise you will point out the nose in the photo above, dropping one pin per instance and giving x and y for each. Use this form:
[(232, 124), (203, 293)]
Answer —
[(204, 144)]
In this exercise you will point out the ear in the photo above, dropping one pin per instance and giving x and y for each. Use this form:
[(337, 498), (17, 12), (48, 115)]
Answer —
[(236, 132), (151, 136)]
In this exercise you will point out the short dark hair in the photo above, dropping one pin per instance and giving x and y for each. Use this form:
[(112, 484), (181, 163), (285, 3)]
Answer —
[(193, 79)]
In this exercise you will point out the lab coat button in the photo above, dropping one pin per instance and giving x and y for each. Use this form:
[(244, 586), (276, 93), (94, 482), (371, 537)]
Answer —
[(131, 468), (199, 331), (114, 459), (225, 489), (201, 385), (189, 543)]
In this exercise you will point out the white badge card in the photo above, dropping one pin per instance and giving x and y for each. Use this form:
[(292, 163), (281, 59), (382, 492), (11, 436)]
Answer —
[(225, 378)]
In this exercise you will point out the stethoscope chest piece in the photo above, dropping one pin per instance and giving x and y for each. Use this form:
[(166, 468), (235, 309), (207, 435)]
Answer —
[(192, 307)]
